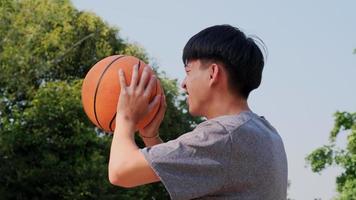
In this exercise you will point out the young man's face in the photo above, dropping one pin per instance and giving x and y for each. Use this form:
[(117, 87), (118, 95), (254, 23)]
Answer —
[(196, 84)]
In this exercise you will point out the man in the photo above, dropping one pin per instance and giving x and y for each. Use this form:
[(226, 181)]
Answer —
[(234, 154)]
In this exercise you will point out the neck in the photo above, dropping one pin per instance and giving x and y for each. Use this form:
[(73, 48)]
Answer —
[(228, 106)]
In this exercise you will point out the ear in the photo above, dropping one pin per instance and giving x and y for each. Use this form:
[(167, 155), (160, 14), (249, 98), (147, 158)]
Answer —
[(214, 73)]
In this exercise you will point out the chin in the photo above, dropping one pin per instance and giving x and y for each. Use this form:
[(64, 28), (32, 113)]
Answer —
[(193, 112)]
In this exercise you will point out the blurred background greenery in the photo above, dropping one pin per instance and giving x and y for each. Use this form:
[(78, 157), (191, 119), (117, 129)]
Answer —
[(48, 147)]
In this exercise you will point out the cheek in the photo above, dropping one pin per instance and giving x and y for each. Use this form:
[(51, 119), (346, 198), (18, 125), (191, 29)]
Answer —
[(195, 85)]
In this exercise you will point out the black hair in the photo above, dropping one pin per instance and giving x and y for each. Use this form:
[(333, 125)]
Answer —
[(240, 55)]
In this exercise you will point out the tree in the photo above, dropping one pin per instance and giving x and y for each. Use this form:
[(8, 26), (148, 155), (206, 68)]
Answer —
[(327, 155), (48, 148), (50, 40)]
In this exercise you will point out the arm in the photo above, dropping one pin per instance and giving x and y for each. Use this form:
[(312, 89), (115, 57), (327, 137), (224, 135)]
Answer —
[(127, 165)]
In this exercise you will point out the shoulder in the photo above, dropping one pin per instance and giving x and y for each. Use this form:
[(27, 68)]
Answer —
[(233, 122), (247, 124), (207, 134), (220, 127)]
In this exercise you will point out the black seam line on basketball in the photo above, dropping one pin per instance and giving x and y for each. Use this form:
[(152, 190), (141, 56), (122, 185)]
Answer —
[(111, 122), (97, 88)]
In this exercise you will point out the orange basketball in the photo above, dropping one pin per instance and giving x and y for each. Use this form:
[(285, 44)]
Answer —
[(101, 90)]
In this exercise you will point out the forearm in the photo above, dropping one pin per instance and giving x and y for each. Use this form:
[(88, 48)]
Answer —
[(123, 147)]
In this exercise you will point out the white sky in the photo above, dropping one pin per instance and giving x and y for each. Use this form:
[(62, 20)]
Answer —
[(310, 71)]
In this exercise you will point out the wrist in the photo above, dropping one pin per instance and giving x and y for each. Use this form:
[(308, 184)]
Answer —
[(124, 125), (122, 119), (151, 141), (149, 137)]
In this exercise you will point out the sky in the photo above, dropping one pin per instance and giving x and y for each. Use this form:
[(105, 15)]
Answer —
[(309, 73)]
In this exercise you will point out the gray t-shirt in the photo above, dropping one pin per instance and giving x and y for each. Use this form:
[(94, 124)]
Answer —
[(228, 157)]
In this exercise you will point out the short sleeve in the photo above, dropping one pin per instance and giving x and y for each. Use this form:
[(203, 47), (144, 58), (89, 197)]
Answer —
[(193, 165)]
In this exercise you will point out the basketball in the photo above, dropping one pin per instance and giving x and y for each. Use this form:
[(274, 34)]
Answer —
[(101, 90)]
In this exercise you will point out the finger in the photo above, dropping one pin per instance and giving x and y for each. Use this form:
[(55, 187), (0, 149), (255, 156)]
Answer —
[(122, 79), (134, 78), (150, 86), (162, 108), (144, 77), (153, 104)]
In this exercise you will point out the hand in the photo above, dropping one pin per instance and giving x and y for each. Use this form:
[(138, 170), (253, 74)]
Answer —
[(151, 129), (134, 102)]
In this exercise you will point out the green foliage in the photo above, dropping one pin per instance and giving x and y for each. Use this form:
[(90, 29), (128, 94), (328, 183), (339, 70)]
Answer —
[(343, 121), (49, 150), (48, 147), (325, 156), (46, 40), (349, 190), (321, 157)]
